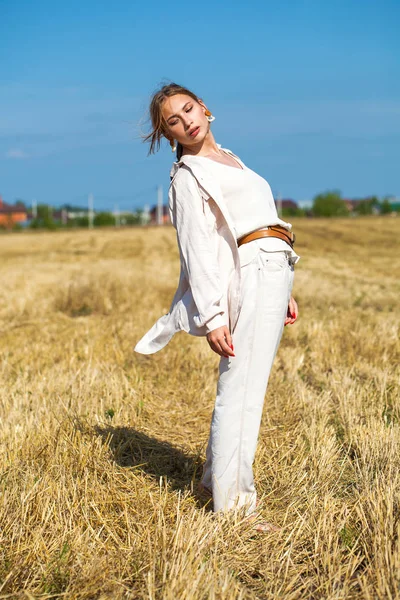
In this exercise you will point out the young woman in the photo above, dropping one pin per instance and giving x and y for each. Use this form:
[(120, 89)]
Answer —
[(237, 268)]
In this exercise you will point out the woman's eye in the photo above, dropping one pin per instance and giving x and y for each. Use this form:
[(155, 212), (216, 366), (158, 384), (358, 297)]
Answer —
[(189, 109), (173, 122)]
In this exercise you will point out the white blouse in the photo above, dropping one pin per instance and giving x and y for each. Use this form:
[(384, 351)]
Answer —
[(209, 288), (250, 203)]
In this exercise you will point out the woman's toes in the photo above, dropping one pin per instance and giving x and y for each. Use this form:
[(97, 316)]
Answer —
[(266, 527)]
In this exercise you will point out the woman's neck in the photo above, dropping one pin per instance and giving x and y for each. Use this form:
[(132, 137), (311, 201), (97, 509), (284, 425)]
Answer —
[(204, 148)]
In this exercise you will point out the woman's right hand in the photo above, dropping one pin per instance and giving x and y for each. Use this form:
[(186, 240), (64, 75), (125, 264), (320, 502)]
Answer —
[(220, 341)]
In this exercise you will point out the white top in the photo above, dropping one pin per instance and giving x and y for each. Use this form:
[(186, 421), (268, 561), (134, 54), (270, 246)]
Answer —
[(209, 292), (250, 203)]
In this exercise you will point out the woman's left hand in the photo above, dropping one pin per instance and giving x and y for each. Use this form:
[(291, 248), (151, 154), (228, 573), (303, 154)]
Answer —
[(292, 312)]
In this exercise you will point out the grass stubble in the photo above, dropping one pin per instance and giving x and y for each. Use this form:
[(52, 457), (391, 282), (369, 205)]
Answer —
[(101, 448)]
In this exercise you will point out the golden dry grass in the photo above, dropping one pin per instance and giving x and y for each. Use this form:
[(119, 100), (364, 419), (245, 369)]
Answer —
[(101, 447)]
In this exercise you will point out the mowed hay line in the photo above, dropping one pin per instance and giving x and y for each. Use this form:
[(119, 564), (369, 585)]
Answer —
[(101, 448)]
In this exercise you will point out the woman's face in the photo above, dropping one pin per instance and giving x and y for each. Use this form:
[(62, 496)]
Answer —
[(186, 120)]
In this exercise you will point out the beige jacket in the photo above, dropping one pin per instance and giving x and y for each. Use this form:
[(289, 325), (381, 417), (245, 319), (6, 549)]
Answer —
[(208, 293)]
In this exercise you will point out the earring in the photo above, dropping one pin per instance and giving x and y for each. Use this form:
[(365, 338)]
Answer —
[(209, 116), (173, 147)]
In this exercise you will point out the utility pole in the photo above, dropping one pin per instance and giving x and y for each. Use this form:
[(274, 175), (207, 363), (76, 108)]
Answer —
[(279, 204), (117, 216), (90, 211), (34, 209), (160, 219), (145, 214)]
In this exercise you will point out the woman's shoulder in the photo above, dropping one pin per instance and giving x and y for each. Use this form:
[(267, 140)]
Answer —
[(181, 173), (193, 162), (185, 183), (189, 169)]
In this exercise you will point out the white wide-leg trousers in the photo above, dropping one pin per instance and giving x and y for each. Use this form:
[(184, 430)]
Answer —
[(267, 283)]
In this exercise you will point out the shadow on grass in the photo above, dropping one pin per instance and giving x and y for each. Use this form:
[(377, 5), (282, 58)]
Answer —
[(157, 458)]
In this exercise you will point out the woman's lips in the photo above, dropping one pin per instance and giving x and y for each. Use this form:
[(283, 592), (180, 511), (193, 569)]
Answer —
[(195, 132)]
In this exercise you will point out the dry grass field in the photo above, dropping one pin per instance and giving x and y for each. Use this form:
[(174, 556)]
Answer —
[(101, 447)]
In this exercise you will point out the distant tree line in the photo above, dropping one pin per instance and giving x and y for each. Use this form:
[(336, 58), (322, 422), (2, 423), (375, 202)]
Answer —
[(326, 204), (49, 218), (331, 204)]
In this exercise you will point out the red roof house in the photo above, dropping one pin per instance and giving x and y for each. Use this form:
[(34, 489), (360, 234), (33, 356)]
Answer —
[(10, 214), (164, 215), (286, 203)]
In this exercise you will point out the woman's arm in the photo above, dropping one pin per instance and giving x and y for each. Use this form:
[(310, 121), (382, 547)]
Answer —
[(196, 248)]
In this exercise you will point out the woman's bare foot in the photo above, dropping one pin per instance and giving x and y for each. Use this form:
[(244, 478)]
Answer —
[(262, 526)]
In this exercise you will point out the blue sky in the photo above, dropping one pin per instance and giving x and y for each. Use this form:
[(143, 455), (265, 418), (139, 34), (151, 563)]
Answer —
[(306, 92)]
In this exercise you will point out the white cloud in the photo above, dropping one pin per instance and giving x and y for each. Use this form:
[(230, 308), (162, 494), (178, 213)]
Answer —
[(16, 153)]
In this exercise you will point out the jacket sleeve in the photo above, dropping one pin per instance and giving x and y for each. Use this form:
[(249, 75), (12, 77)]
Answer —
[(197, 250)]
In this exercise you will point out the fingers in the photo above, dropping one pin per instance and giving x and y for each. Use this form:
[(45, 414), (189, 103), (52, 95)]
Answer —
[(292, 312), (220, 341), (220, 349), (294, 307), (289, 320), (226, 349), (228, 337)]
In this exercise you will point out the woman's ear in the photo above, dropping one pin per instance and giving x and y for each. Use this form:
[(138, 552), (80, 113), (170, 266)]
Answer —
[(203, 106)]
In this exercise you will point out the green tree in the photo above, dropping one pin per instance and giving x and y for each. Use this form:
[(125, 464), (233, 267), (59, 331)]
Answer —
[(102, 219), (329, 204), (82, 221), (43, 211), (366, 206), (386, 207), (133, 219), (49, 223), (293, 212), (44, 218)]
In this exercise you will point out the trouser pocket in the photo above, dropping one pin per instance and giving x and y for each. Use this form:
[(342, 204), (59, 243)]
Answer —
[(273, 261)]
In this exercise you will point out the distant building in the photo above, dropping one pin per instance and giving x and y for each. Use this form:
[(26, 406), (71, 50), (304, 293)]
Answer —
[(287, 204), (351, 203), (165, 215), (68, 212), (355, 205), (286, 207), (77, 214), (10, 214)]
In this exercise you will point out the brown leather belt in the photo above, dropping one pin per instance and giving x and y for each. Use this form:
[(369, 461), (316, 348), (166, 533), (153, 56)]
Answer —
[(272, 231)]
